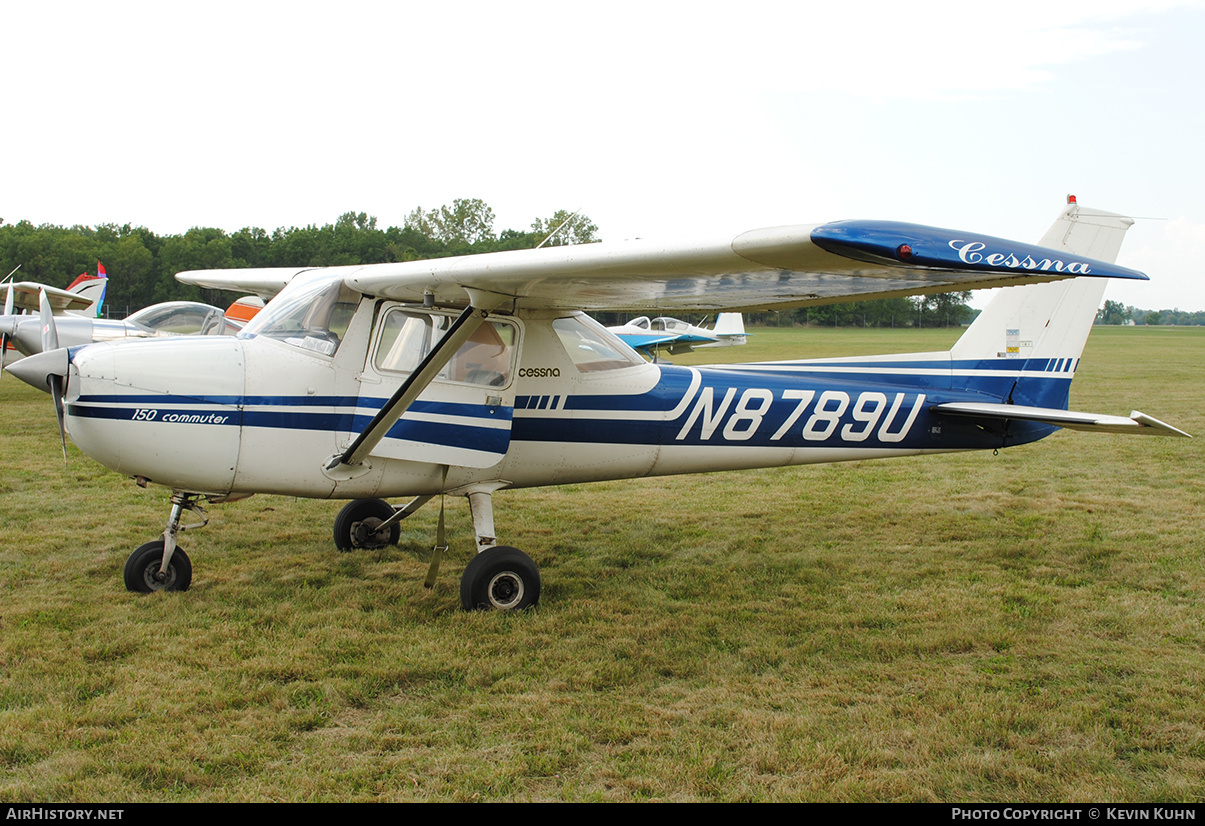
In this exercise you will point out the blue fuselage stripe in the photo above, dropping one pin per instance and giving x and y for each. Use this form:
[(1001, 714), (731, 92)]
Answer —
[(778, 408)]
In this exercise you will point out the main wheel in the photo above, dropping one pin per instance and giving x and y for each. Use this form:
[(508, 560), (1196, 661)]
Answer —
[(356, 526), (142, 570), (503, 578)]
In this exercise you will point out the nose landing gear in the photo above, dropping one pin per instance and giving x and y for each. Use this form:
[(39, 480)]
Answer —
[(160, 565), (144, 570)]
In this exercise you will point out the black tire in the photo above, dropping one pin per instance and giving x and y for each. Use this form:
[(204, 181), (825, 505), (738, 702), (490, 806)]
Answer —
[(142, 569), (355, 526), (502, 578)]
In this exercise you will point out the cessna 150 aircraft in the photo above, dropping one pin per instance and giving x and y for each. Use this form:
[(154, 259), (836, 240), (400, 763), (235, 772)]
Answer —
[(475, 374)]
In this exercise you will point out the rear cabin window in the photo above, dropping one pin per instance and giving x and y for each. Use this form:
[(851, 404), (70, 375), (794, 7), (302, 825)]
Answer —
[(591, 347)]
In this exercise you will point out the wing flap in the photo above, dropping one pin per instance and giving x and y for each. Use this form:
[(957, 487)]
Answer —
[(1137, 422)]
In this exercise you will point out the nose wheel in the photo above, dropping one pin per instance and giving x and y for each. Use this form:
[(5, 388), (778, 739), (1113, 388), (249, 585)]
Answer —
[(162, 565), (144, 574)]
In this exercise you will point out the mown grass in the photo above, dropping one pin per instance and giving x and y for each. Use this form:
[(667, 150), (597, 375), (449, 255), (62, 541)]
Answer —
[(972, 628)]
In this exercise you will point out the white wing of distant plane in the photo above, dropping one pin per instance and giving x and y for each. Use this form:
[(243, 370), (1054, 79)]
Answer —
[(778, 267), (25, 297)]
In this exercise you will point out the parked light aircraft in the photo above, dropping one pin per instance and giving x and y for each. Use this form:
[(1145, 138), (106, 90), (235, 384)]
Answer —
[(24, 332), (471, 375), (663, 333), (84, 298)]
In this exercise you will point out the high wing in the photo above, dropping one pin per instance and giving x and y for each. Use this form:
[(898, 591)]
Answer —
[(778, 267), (25, 297)]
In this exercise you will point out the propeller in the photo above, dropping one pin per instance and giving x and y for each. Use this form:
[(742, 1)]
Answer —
[(57, 381)]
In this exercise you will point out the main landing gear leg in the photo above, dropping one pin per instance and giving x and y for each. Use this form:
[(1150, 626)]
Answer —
[(498, 576), (161, 565)]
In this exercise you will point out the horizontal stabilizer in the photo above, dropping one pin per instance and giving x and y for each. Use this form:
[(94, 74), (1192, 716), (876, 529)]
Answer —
[(1137, 423)]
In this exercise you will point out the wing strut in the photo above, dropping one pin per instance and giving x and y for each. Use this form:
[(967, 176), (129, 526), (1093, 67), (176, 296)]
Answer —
[(461, 330)]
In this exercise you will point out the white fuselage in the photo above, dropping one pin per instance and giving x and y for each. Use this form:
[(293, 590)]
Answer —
[(543, 401)]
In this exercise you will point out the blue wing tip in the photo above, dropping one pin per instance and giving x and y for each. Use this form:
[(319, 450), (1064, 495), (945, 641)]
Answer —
[(917, 245)]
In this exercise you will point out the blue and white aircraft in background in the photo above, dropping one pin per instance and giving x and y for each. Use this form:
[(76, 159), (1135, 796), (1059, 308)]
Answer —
[(676, 336), (471, 375)]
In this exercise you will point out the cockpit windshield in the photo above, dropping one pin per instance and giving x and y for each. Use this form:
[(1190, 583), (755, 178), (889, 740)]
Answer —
[(180, 317), (312, 314)]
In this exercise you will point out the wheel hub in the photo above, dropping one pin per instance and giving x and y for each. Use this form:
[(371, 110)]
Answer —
[(506, 590), (156, 579), (366, 534)]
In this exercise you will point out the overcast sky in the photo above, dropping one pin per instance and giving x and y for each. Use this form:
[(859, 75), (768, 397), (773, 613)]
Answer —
[(656, 119)]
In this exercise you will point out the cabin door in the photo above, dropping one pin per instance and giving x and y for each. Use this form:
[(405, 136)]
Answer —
[(463, 418)]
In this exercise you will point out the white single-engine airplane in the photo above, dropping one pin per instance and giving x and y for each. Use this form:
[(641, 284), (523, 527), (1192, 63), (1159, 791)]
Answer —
[(475, 374)]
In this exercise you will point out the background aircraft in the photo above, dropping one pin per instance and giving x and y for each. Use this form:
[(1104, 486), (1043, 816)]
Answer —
[(81, 303), (84, 297), (677, 336), (470, 375)]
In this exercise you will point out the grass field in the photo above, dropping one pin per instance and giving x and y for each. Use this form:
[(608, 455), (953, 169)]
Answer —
[(1026, 626)]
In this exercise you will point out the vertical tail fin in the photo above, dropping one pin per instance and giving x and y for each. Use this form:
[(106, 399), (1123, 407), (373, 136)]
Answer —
[(730, 325), (92, 287), (1044, 326)]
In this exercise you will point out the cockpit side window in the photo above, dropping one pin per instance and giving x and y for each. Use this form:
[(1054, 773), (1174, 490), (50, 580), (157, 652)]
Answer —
[(405, 337)]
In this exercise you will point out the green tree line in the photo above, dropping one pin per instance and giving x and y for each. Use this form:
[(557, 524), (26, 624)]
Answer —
[(944, 310), (142, 264), (1114, 312)]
